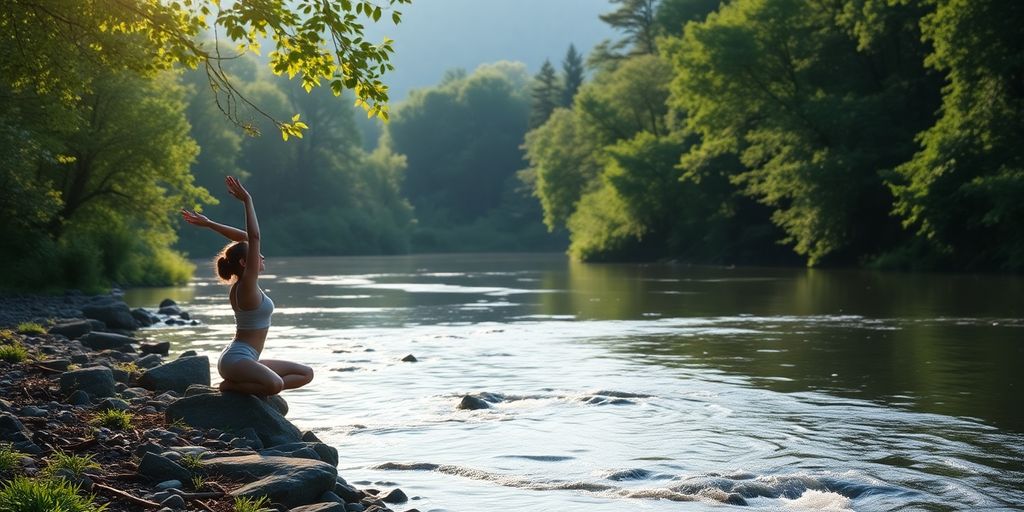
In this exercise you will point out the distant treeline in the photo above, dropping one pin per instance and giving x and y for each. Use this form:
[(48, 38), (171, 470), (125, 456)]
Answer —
[(860, 132), (880, 133)]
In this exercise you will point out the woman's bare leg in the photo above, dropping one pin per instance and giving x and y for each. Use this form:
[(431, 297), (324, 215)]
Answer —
[(248, 376), (294, 375)]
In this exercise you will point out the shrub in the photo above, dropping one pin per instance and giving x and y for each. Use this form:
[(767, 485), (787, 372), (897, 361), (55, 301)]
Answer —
[(45, 495), (247, 504), (112, 418), (30, 328), (73, 463), (14, 353)]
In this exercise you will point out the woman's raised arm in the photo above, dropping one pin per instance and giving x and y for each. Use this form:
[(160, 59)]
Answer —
[(197, 219), (249, 294)]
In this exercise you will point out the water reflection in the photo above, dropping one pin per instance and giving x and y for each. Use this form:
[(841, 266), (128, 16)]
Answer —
[(948, 344)]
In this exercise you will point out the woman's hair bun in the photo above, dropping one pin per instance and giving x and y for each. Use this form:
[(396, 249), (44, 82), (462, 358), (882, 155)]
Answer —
[(229, 260), (224, 268)]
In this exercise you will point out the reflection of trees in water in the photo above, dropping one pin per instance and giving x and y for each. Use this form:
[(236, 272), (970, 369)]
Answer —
[(883, 337)]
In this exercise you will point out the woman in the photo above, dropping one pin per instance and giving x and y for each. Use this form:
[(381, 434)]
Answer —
[(240, 264)]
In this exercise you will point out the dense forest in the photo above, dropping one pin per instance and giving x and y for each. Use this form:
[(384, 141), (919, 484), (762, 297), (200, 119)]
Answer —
[(878, 133), (860, 132)]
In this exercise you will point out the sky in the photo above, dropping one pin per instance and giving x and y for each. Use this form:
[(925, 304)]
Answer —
[(437, 35)]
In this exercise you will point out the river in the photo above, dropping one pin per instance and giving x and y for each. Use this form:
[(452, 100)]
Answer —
[(646, 387)]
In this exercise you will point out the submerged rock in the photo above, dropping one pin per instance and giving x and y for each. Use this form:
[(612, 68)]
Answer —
[(473, 403)]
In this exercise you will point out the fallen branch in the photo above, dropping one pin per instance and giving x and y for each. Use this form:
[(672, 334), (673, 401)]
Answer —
[(133, 499), (197, 495)]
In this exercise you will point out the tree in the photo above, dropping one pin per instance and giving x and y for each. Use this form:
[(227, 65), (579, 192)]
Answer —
[(963, 191), (462, 143), (565, 157), (104, 171), (546, 94), (673, 15), (328, 196), (38, 36), (572, 72), (636, 20), (817, 103)]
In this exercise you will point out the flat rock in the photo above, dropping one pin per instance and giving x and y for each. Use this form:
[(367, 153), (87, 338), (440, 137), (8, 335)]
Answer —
[(177, 375), (72, 330), (290, 482), (320, 507), (106, 341), (97, 382), (234, 411)]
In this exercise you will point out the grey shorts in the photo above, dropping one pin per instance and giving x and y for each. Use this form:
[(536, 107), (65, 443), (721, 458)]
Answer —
[(235, 352)]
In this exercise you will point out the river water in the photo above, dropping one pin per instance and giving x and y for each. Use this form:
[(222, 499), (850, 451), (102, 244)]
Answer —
[(646, 387)]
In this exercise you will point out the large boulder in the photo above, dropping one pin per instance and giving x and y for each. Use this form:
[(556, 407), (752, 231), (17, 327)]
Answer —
[(177, 375), (115, 314), (234, 411), (108, 341), (290, 482), (97, 382)]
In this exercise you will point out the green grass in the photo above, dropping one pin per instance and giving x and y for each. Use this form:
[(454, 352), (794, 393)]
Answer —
[(7, 336), (179, 423), (198, 482), (112, 418), (74, 463), (191, 461), (251, 504), (44, 495), (30, 328), (129, 367), (14, 353), (10, 459)]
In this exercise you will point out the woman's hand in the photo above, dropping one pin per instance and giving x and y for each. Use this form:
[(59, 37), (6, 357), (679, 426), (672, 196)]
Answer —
[(196, 219), (236, 189)]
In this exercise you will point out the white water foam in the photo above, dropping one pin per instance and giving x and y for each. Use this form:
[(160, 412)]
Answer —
[(819, 500)]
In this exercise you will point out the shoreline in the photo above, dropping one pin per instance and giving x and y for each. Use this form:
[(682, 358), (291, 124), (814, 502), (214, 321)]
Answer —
[(84, 402)]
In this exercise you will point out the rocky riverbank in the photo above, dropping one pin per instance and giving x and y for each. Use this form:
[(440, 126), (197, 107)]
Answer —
[(82, 402)]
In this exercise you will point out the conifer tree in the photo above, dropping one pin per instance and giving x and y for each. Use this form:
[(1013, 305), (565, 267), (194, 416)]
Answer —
[(546, 94), (572, 67)]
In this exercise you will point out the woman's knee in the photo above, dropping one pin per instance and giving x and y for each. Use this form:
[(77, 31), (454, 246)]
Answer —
[(275, 386)]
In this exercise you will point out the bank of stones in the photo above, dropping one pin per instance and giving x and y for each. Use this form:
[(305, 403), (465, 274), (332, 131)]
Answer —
[(187, 446)]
